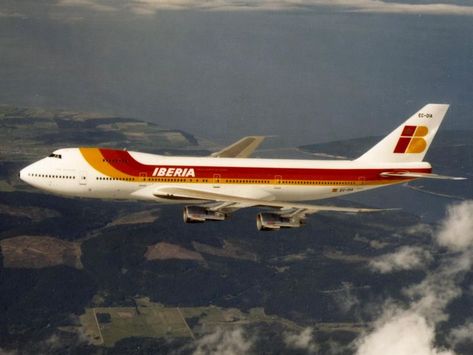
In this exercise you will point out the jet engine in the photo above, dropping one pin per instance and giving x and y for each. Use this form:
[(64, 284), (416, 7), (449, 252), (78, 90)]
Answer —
[(199, 214), (273, 221)]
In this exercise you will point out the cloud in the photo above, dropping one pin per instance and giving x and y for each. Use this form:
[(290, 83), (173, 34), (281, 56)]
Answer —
[(228, 342), (419, 229), (345, 298), (405, 8), (301, 341), (400, 333), (462, 334), (6, 14), (274, 5), (54, 342), (456, 232), (432, 295), (410, 329), (88, 4), (405, 258), (149, 7)]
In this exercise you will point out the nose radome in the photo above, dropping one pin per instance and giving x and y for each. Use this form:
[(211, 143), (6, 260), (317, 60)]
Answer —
[(23, 174)]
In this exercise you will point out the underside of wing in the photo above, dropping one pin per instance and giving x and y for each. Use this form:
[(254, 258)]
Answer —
[(240, 149), (240, 202), (416, 175)]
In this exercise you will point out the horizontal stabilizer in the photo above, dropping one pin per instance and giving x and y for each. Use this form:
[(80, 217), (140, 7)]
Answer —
[(241, 149), (415, 175)]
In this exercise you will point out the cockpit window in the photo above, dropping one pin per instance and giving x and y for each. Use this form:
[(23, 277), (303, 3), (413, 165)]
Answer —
[(57, 156)]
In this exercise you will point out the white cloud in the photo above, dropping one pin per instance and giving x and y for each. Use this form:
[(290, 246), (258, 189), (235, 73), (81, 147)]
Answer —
[(301, 341), (88, 4), (335, 348), (419, 229), (400, 333), (228, 342), (456, 232), (405, 258), (345, 298), (54, 342), (432, 295), (410, 329), (462, 334), (405, 8), (6, 14), (148, 7)]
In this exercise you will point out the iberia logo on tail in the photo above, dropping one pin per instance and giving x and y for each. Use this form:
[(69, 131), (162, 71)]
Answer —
[(411, 140)]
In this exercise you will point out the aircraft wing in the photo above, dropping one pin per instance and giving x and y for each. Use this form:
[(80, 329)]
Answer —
[(415, 175), (240, 149), (240, 202)]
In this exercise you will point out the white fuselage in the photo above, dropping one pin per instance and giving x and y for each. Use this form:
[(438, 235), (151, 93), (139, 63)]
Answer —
[(113, 174)]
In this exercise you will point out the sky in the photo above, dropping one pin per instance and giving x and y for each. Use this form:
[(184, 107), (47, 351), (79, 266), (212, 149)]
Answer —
[(306, 71)]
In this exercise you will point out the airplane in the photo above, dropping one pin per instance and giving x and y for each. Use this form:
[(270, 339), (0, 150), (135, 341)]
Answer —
[(216, 186)]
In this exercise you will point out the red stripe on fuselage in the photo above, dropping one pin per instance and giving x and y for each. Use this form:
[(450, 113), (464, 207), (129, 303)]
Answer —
[(123, 161)]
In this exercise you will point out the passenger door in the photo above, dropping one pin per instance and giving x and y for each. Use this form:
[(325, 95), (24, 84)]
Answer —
[(82, 178)]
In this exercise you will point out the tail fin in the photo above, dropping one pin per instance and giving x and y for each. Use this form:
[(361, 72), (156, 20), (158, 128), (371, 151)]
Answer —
[(411, 140)]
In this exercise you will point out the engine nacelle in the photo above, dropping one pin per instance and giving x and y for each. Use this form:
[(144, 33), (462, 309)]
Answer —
[(272, 221), (199, 214)]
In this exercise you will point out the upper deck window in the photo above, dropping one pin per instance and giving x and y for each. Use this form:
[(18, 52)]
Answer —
[(57, 156)]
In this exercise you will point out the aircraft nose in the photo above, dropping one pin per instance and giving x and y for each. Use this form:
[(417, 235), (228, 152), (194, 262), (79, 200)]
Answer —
[(23, 174)]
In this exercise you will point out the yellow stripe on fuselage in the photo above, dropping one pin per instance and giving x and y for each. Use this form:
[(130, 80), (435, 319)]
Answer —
[(330, 183), (96, 161)]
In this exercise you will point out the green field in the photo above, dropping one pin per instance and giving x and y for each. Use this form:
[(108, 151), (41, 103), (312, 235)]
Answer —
[(154, 320), (146, 320)]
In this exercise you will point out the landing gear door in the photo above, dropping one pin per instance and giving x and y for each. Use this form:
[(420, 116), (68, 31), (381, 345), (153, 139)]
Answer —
[(82, 178)]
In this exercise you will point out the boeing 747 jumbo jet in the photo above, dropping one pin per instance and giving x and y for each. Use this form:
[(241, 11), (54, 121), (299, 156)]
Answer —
[(214, 187)]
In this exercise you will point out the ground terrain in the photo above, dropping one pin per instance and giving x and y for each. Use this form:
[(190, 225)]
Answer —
[(99, 277)]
